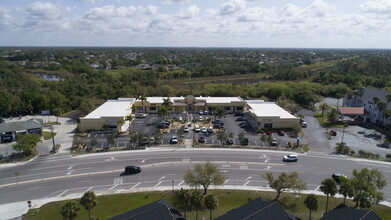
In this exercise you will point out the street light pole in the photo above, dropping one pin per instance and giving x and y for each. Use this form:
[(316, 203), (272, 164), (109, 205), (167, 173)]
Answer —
[(172, 184), (54, 145)]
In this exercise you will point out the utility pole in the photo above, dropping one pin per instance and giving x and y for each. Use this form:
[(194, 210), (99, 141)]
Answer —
[(54, 145)]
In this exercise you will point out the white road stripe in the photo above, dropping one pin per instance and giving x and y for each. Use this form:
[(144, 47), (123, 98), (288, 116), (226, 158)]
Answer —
[(84, 181), (38, 187), (113, 187), (65, 191), (249, 177), (136, 185), (225, 182), (246, 183), (158, 183), (88, 189), (181, 183), (317, 188), (161, 178)]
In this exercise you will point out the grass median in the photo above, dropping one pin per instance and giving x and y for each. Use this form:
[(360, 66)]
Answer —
[(112, 205)]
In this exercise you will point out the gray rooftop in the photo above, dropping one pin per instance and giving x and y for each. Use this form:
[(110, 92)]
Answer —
[(368, 94), (21, 125)]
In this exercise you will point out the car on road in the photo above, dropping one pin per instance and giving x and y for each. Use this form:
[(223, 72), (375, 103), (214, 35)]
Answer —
[(132, 170), (273, 142), (337, 177), (303, 124), (210, 130), (229, 141), (240, 119), (186, 129), (201, 139), (281, 133), (140, 115), (174, 140), (197, 128), (203, 130), (290, 158), (244, 141)]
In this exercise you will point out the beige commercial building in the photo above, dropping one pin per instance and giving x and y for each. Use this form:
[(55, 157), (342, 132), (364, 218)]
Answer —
[(107, 115), (269, 115), (191, 104)]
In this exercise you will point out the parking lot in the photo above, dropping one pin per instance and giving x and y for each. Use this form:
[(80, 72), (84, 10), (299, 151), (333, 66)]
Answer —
[(148, 127)]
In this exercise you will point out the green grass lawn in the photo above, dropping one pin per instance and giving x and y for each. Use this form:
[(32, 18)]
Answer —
[(48, 134), (324, 122), (109, 206)]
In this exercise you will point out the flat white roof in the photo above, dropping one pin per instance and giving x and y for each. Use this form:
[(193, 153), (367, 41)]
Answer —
[(268, 109), (219, 100), (159, 100), (112, 108)]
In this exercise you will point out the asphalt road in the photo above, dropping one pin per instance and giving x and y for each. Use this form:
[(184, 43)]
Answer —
[(61, 175)]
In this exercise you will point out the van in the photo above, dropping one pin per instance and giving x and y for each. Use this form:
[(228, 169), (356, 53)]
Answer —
[(132, 169)]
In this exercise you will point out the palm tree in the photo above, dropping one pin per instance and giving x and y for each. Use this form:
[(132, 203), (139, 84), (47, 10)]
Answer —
[(70, 210), (142, 98), (219, 112), (381, 106), (388, 98), (167, 103), (120, 122), (311, 202), (375, 100), (323, 107), (196, 201), (329, 187), (345, 188), (332, 116), (163, 112), (183, 198), (89, 201), (211, 202), (130, 119)]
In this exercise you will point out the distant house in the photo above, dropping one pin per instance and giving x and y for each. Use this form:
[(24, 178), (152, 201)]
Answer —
[(343, 212), (9, 130), (364, 99), (159, 210), (259, 209)]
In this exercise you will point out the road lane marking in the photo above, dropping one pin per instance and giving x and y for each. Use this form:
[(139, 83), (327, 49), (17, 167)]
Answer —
[(181, 183), (70, 167), (118, 181), (246, 183), (70, 172), (249, 177), (61, 194), (84, 181), (113, 186), (161, 178), (317, 188), (88, 189), (136, 185), (225, 182), (267, 167), (158, 183)]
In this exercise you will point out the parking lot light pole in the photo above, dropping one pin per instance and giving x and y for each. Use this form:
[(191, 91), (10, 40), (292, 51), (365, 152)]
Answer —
[(54, 145)]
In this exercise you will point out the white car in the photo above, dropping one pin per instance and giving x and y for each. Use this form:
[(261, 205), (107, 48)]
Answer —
[(290, 158), (304, 124), (186, 129), (180, 118), (203, 130), (140, 115), (197, 128), (210, 130), (174, 140), (201, 112), (201, 118)]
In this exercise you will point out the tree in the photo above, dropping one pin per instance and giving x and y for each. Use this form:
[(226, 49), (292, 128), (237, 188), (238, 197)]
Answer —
[(120, 122), (311, 202), (70, 210), (110, 139), (375, 100), (89, 201), (388, 156), (284, 182), (329, 187), (57, 112), (381, 106), (367, 185), (183, 200), (196, 201), (130, 119), (332, 116), (142, 98), (219, 112), (323, 107), (211, 202), (221, 136), (204, 175), (345, 188), (167, 103), (388, 98), (94, 142), (26, 143), (342, 148), (163, 112), (263, 139)]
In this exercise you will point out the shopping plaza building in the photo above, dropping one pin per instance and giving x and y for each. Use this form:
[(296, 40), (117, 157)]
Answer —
[(264, 114)]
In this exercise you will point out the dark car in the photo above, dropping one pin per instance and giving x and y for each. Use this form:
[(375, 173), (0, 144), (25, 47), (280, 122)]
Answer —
[(244, 141), (218, 126), (239, 114), (337, 177), (281, 133), (143, 142), (240, 119), (229, 141), (201, 139), (218, 121), (132, 170)]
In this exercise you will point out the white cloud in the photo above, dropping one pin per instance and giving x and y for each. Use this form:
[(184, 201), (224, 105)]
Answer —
[(175, 1), (44, 10), (376, 6), (5, 18), (150, 10), (189, 12), (231, 7)]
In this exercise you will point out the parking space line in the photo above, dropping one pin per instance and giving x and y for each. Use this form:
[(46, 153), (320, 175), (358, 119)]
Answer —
[(136, 185), (88, 135), (225, 182)]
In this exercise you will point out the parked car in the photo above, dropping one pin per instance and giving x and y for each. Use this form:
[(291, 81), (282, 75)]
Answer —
[(174, 140), (229, 141), (140, 115), (163, 125), (151, 140), (203, 130), (273, 142), (210, 130), (197, 128), (269, 132), (201, 118), (333, 133), (201, 139), (239, 114), (218, 121), (304, 124), (180, 118), (132, 170), (143, 141), (281, 133), (186, 129), (218, 126), (244, 141), (337, 177), (290, 158), (201, 112), (206, 112), (240, 119)]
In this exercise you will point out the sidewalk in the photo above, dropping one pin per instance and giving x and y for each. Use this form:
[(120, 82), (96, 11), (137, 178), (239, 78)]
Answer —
[(17, 209)]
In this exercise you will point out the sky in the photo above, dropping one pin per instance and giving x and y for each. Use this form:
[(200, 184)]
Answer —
[(197, 23)]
